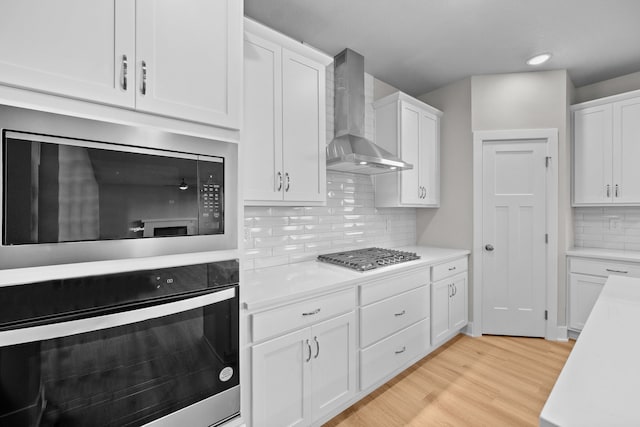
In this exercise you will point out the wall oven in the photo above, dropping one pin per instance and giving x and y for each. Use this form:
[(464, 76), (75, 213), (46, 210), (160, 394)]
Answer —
[(151, 347), (77, 190)]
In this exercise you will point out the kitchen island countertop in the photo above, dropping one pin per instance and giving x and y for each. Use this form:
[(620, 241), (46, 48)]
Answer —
[(271, 286), (598, 385)]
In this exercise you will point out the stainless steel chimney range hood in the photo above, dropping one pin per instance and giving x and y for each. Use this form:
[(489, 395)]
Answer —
[(350, 151)]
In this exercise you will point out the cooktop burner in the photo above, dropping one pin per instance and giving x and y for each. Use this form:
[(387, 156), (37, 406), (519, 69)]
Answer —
[(368, 258)]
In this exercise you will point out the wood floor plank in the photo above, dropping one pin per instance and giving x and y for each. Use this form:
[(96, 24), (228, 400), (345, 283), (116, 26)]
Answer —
[(485, 381)]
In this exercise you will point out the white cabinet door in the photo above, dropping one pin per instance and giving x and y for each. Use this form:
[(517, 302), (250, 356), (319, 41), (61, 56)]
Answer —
[(458, 302), (429, 159), (303, 128), (440, 295), (583, 293), (189, 59), (333, 365), (69, 47), (262, 132), (626, 151), (410, 187), (281, 381), (592, 148)]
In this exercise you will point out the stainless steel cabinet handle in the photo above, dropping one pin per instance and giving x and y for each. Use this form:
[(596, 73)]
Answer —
[(489, 247), (616, 191), (143, 87), (452, 268), (402, 350), (608, 190), (455, 289), (279, 181), (317, 347), (288, 178), (419, 192), (402, 313), (424, 192), (450, 290), (124, 72), (309, 347), (616, 271), (311, 313)]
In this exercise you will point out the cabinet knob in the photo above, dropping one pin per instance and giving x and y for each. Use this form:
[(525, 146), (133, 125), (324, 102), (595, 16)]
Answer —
[(143, 87), (489, 247)]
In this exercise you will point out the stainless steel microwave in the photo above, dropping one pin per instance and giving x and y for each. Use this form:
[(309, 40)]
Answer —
[(77, 190)]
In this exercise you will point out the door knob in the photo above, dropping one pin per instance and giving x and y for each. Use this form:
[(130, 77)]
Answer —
[(489, 247)]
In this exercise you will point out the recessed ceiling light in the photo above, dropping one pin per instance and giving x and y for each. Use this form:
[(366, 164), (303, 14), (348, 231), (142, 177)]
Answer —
[(539, 59)]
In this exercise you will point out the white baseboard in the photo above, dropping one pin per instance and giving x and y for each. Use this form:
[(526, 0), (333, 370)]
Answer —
[(562, 334), (470, 330)]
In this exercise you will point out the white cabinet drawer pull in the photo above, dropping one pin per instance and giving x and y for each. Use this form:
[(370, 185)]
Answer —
[(616, 271), (308, 348), (402, 313), (317, 347), (402, 350), (311, 313), (124, 72)]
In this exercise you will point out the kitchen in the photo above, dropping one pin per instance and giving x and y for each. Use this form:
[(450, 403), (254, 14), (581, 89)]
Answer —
[(283, 204)]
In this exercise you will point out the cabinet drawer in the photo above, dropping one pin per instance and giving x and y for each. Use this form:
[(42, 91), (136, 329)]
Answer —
[(385, 317), (595, 267), (393, 353), (273, 322), (394, 285), (447, 269)]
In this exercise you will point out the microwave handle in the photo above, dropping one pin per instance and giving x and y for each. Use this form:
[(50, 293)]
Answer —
[(74, 327)]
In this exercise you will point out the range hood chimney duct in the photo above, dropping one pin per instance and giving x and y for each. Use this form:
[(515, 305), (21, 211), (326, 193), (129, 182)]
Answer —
[(350, 151)]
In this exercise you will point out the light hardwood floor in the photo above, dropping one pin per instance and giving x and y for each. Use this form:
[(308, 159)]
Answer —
[(485, 381)]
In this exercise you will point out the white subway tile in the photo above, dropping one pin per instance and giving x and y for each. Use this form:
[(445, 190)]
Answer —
[(265, 221), (270, 242), (288, 249), (286, 230)]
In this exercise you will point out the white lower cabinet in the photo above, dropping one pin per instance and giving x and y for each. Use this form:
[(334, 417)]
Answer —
[(448, 307), (586, 279), (304, 375), (583, 293)]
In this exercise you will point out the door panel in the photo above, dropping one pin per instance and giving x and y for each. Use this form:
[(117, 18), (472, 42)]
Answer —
[(626, 151), (281, 386), (429, 173), (262, 133), (190, 55), (440, 295), (334, 364), (514, 223), (304, 136), (592, 170), (410, 152), (458, 310), (69, 47)]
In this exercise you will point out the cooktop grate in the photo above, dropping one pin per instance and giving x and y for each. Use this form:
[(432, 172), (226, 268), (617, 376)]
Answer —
[(368, 258)]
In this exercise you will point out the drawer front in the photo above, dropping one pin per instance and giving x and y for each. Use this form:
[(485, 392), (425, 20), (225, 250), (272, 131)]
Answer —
[(392, 353), (393, 285), (596, 267), (388, 316), (442, 271), (294, 316)]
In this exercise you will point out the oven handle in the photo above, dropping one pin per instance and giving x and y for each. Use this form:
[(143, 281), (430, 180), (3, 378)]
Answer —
[(74, 327)]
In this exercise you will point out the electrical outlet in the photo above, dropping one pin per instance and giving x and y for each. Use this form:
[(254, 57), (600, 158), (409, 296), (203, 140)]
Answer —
[(615, 224)]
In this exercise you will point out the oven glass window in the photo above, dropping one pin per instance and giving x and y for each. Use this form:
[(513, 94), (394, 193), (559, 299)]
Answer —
[(123, 376)]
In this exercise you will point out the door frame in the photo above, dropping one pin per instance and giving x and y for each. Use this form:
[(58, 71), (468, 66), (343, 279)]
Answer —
[(515, 135)]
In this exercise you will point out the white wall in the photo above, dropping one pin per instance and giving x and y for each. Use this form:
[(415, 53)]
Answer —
[(609, 87)]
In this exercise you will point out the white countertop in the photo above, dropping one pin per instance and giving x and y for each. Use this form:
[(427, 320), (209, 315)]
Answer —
[(611, 254), (598, 385), (277, 285)]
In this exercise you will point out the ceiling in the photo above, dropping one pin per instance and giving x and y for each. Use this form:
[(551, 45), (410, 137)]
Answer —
[(421, 45)]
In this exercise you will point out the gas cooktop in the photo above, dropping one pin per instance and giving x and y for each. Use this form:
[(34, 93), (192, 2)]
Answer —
[(368, 258)]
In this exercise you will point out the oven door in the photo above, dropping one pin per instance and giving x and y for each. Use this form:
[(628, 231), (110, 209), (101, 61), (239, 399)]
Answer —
[(174, 363)]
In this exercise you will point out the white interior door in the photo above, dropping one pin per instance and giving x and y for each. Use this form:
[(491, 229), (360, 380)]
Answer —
[(513, 231)]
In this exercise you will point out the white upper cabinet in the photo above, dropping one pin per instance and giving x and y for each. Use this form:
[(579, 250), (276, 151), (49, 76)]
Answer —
[(409, 129), (176, 59), (189, 59), (606, 151), (80, 49), (284, 128)]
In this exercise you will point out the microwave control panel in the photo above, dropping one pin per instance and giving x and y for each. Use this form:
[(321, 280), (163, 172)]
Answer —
[(211, 195)]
